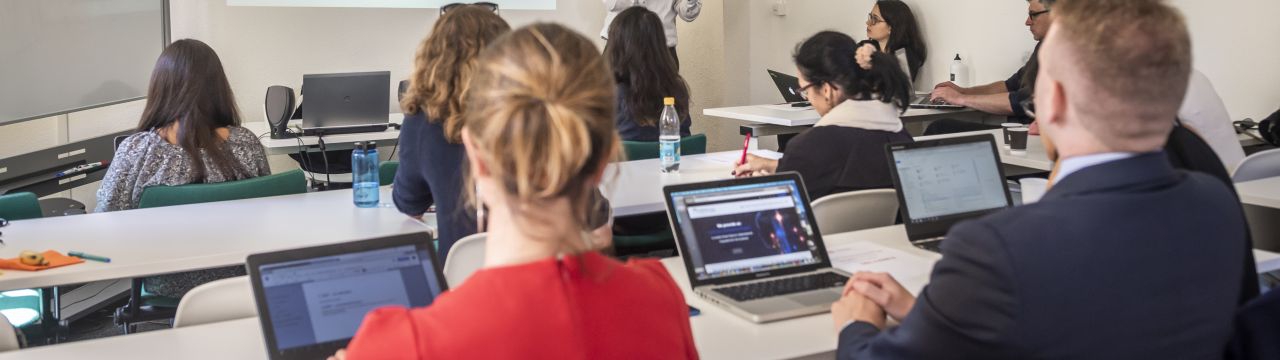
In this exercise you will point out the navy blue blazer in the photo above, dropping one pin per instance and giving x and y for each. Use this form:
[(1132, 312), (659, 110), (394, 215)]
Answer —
[(431, 172), (1130, 259)]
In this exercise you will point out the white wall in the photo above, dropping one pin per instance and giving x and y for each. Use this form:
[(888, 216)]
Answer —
[(1234, 43), (264, 46)]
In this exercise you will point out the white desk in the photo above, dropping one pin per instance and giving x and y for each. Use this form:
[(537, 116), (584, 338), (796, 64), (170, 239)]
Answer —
[(1262, 192), (637, 187), (190, 237), (775, 115), (717, 333), (332, 142)]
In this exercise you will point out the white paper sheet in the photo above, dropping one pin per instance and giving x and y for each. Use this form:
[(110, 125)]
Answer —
[(868, 256)]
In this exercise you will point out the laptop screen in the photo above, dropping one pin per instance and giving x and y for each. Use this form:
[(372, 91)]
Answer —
[(951, 179), (323, 299), (746, 228)]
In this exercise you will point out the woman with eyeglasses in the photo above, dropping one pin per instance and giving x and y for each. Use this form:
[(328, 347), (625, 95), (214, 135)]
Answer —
[(860, 92), (892, 24), (539, 135)]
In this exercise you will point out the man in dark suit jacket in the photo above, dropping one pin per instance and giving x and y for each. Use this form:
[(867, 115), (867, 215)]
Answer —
[(1124, 257)]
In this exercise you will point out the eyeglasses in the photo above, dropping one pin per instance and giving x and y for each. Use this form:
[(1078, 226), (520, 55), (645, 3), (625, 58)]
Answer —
[(804, 90), (1036, 14), (872, 19), (484, 4), (1029, 106)]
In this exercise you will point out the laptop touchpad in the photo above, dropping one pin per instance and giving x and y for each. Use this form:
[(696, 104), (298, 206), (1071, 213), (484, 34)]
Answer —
[(811, 298)]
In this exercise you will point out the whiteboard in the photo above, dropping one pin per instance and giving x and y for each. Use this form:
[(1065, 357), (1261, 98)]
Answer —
[(59, 56), (419, 4)]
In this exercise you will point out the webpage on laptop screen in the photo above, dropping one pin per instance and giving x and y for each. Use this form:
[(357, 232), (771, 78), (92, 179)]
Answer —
[(745, 229), (324, 299)]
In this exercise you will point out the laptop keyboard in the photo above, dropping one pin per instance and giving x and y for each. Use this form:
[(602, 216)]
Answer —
[(784, 286)]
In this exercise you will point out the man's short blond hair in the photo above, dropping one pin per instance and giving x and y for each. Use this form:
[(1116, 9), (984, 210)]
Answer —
[(1134, 59)]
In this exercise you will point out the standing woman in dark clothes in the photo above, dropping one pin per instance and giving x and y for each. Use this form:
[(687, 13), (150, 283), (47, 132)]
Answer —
[(646, 73), (431, 153), (860, 93)]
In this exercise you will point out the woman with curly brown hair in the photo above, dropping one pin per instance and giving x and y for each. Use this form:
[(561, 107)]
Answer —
[(431, 152)]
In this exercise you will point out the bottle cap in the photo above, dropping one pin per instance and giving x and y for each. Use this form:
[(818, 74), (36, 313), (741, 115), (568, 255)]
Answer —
[(957, 56), (668, 101), (359, 145), (371, 145)]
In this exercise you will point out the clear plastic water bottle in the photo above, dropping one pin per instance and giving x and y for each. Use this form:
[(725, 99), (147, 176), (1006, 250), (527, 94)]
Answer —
[(364, 174), (669, 138)]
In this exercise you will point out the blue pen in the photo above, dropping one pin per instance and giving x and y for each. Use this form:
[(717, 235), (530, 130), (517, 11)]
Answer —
[(89, 257)]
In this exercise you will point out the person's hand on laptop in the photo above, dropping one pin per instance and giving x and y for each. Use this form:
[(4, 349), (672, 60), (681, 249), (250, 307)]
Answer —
[(882, 289), (948, 84), (853, 307), (756, 166), (948, 95)]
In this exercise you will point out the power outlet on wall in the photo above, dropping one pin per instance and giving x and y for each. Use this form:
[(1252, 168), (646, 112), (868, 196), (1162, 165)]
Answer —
[(780, 7)]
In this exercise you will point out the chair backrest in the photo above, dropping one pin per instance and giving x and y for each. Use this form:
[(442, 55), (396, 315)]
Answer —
[(1260, 165), (23, 205), (221, 300), (1257, 326), (286, 183), (641, 150), (8, 336), (117, 140), (387, 172), (465, 257), (856, 210)]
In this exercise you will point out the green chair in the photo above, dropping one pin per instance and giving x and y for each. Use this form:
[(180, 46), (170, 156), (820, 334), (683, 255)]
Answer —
[(387, 172), (286, 183), (21, 307), (144, 306), (642, 150), (20, 206)]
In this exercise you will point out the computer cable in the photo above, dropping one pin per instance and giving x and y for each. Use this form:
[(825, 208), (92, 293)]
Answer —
[(324, 155), (306, 156)]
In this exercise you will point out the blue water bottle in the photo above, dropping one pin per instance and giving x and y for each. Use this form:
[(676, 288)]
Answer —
[(364, 174)]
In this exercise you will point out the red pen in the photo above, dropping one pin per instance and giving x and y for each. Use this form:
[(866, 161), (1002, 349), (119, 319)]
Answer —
[(746, 142)]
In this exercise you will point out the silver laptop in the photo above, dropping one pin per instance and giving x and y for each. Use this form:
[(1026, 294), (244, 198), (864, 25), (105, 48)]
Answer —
[(944, 181), (926, 101), (752, 246)]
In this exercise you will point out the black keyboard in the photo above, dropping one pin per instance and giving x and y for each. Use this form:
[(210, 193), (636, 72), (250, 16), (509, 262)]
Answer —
[(931, 245), (783, 286)]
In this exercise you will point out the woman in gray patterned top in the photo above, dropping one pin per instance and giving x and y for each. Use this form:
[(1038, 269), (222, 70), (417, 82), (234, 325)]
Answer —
[(189, 133)]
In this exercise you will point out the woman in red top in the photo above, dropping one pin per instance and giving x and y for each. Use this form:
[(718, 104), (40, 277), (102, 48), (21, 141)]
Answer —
[(539, 133)]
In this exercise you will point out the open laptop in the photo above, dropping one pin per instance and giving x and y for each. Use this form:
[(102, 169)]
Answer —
[(752, 246), (944, 181), (312, 300), (789, 87), (346, 103), (926, 101)]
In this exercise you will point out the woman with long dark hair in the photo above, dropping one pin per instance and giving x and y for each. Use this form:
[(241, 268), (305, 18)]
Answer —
[(189, 133), (860, 92), (646, 73), (892, 24)]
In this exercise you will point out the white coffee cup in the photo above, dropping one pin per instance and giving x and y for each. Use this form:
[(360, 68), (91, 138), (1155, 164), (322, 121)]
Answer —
[(1032, 189)]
